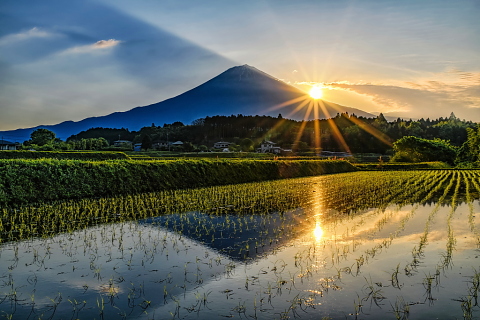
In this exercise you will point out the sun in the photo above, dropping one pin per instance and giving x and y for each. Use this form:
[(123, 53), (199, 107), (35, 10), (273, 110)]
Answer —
[(315, 92), (318, 232)]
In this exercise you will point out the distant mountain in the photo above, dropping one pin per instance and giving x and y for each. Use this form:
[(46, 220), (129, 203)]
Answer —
[(239, 90)]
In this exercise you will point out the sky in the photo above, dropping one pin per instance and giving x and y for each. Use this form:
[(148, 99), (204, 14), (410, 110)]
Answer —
[(68, 60)]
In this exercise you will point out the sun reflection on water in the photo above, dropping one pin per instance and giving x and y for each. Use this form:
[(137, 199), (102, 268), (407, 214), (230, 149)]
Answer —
[(318, 231)]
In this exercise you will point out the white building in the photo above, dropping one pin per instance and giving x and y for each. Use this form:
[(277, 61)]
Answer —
[(222, 145), (269, 147), (7, 145), (158, 145)]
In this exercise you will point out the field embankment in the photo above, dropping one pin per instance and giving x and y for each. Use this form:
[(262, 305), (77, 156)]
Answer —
[(36, 180), (403, 165), (64, 155)]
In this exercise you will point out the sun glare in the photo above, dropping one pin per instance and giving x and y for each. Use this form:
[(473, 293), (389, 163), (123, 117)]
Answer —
[(316, 92), (318, 232)]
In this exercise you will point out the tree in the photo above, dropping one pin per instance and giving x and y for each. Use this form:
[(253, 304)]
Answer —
[(188, 146), (413, 149), (246, 145), (302, 146), (146, 142), (470, 150), (234, 147), (101, 143), (42, 137)]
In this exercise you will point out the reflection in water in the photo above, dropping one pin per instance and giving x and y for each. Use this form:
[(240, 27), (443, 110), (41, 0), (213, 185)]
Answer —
[(240, 237), (318, 232), (317, 200), (361, 245)]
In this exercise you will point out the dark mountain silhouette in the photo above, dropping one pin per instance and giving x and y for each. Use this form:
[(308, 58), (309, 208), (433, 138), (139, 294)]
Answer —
[(239, 90)]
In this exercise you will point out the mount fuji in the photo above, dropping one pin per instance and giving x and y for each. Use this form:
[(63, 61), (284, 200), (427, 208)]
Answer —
[(238, 90)]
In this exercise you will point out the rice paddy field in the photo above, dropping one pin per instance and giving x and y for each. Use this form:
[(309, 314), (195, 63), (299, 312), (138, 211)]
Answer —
[(361, 245)]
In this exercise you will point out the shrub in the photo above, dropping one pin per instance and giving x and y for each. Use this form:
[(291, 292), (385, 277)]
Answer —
[(413, 149), (36, 180)]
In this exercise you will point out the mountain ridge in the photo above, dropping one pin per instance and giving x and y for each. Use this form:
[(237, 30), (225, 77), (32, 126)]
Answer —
[(238, 90)]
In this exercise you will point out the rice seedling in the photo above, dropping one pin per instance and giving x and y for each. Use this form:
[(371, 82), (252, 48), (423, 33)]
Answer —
[(250, 250), (401, 309)]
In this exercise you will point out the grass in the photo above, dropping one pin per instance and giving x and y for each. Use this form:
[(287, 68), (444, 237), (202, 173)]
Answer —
[(35, 180)]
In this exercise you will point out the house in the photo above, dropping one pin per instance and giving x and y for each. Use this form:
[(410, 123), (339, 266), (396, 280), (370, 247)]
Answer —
[(161, 145), (177, 144), (222, 145), (7, 145), (269, 147), (122, 143)]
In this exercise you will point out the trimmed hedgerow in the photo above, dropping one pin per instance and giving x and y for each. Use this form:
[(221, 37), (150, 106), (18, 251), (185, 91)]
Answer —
[(30, 181), (69, 155)]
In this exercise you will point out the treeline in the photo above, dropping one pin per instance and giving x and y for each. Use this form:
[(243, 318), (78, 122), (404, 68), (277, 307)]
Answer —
[(344, 132)]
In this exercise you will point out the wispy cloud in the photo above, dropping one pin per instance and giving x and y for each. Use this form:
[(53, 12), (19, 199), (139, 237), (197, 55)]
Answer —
[(440, 93), (105, 44), (98, 46), (26, 35)]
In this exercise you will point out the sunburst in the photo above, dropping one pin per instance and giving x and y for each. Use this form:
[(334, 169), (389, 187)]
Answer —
[(316, 92), (312, 103)]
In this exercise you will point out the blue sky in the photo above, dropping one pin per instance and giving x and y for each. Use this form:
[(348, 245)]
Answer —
[(68, 60)]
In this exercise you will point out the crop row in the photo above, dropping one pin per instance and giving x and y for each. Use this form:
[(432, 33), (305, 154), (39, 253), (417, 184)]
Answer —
[(32, 181), (347, 193)]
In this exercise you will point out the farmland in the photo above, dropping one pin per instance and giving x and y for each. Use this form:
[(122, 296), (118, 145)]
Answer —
[(24, 181), (359, 245)]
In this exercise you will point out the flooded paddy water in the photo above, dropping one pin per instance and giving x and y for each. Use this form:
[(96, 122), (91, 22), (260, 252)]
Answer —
[(364, 245)]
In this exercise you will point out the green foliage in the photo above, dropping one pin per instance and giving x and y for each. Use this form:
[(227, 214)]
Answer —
[(361, 135), (146, 142), (42, 137), (470, 150), (247, 145), (62, 155), (89, 144), (109, 134), (29, 181), (188, 146), (403, 166), (414, 149)]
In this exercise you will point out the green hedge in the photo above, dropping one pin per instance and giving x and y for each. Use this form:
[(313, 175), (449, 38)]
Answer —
[(73, 155), (402, 165), (30, 181)]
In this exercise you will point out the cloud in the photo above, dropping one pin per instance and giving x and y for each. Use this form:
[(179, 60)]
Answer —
[(105, 44), (438, 95), (102, 61), (98, 46), (33, 33)]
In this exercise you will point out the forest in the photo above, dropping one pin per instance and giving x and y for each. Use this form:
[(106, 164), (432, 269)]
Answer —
[(344, 132)]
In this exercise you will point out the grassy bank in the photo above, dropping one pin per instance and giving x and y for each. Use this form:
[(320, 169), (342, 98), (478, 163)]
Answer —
[(403, 165), (64, 155), (36, 180)]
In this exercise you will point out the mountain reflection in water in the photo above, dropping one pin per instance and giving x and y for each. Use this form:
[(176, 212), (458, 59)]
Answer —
[(240, 237)]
